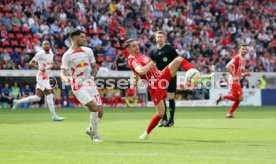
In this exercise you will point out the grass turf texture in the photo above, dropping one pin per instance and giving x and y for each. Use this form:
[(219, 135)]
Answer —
[(200, 135)]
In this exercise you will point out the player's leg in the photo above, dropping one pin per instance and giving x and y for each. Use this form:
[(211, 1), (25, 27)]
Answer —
[(238, 93), (171, 96), (233, 97), (165, 118), (51, 105), (96, 110), (30, 99), (177, 63), (160, 108)]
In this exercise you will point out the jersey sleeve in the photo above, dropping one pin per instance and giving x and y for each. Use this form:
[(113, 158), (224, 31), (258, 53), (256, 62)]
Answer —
[(151, 54), (65, 62), (235, 61), (133, 63), (37, 56), (174, 54), (90, 53)]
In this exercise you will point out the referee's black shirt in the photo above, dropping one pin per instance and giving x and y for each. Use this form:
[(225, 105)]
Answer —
[(163, 56)]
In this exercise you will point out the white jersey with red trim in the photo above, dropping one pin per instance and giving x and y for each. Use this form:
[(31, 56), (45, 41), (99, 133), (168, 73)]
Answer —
[(78, 62), (44, 60)]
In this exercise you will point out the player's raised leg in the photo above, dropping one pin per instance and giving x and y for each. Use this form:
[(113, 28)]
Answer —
[(160, 108), (30, 99), (51, 105), (177, 63)]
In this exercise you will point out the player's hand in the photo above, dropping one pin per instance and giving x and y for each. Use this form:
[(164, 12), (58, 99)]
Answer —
[(42, 70), (153, 63), (236, 78), (67, 82)]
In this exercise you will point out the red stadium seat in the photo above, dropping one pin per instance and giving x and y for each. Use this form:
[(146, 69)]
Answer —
[(9, 15), (29, 36), (9, 49), (37, 37), (15, 29), (1, 14), (91, 31), (6, 8), (100, 31), (19, 50), (1, 49), (19, 36), (5, 43), (100, 59), (14, 43), (25, 29), (11, 36)]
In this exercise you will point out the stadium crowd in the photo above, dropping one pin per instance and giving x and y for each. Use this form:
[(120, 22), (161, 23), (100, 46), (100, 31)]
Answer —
[(206, 32)]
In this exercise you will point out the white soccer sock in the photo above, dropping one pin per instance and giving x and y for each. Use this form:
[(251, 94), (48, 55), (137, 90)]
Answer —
[(51, 105), (94, 122), (29, 99)]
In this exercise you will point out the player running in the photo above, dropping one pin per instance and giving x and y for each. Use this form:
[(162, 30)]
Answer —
[(236, 68), (44, 59), (163, 54), (81, 64), (143, 67)]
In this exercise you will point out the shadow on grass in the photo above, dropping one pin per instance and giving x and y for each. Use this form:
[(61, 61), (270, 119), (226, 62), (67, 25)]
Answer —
[(144, 142)]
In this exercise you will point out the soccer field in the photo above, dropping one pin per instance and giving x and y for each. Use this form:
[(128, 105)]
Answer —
[(200, 135)]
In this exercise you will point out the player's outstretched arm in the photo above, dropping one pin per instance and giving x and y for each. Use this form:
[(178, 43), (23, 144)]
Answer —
[(63, 76), (94, 70), (142, 70)]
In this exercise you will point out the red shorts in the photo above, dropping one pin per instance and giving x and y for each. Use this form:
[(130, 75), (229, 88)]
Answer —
[(159, 94), (236, 90)]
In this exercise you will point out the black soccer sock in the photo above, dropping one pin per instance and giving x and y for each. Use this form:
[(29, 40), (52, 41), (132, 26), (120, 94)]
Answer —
[(165, 114), (172, 108)]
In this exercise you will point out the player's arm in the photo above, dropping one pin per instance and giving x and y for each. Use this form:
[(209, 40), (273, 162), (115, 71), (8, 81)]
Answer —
[(229, 68), (246, 74), (64, 67), (94, 70), (136, 80), (63, 76), (142, 70)]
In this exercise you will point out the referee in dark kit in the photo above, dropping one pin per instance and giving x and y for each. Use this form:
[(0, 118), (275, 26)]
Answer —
[(163, 54)]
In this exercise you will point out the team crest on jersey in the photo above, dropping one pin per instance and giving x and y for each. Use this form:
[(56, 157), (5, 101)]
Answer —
[(165, 59)]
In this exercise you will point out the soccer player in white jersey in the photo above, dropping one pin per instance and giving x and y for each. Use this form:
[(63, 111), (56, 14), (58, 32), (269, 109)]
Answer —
[(44, 59), (81, 64)]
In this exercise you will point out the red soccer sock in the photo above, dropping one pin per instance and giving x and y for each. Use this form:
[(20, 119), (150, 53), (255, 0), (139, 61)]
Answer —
[(234, 107), (154, 121), (233, 98), (186, 65)]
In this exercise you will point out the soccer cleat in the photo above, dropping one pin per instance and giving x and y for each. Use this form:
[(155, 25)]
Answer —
[(144, 136), (230, 116), (92, 135), (57, 118), (14, 104), (163, 123), (169, 123), (219, 98), (97, 138)]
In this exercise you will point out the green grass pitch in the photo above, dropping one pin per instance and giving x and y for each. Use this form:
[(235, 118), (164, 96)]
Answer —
[(200, 135)]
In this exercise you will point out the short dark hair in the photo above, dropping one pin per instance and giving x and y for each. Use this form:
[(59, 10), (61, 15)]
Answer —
[(161, 32), (75, 32), (127, 43)]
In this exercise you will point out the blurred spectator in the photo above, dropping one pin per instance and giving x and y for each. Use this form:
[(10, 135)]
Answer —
[(244, 82), (122, 63), (131, 97), (7, 21), (6, 95), (262, 82), (15, 21), (15, 91)]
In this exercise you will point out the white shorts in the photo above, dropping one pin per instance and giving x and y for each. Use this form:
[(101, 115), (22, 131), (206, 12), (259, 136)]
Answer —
[(88, 93), (43, 84)]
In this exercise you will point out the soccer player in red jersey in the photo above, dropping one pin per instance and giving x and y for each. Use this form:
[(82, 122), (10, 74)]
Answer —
[(236, 68), (143, 67)]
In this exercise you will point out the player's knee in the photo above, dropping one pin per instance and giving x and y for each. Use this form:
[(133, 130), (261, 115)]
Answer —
[(92, 107), (241, 98), (100, 111)]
